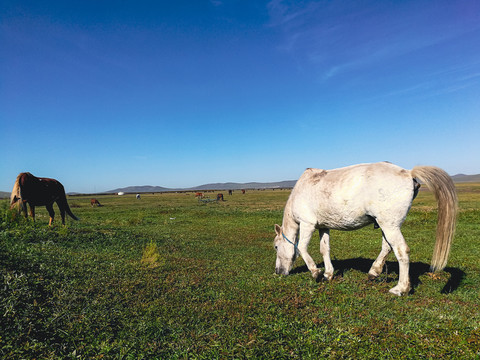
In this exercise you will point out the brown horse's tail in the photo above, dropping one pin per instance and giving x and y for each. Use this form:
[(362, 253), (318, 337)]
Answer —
[(66, 207), (440, 183)]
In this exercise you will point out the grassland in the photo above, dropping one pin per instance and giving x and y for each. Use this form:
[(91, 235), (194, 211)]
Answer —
[(170, 278)]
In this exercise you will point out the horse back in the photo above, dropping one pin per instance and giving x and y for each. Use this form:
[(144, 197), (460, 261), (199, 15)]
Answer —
[(351, 197), (40, 191)]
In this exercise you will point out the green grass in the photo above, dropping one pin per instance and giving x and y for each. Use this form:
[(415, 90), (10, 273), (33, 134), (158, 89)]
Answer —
[(169, 277)]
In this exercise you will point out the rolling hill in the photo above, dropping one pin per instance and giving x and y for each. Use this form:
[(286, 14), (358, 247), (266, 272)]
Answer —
[(4, 195), (213, 186)]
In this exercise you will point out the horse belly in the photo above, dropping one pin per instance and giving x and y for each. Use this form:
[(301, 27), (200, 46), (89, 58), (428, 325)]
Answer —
[(41, 197), (343, 218), (344, 213)]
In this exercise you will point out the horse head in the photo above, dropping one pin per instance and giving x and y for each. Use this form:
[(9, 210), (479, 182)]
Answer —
[(14, 200), (287, 252)]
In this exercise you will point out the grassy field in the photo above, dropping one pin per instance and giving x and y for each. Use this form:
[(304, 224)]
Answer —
[(168, 277)]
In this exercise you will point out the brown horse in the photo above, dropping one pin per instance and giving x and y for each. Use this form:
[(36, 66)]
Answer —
[(40, 192), (95, 202)]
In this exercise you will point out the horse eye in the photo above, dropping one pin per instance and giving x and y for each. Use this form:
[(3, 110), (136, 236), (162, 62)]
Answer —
[(276, 247)]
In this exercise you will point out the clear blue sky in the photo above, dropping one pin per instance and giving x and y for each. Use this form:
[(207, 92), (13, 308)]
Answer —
[(106, 94)]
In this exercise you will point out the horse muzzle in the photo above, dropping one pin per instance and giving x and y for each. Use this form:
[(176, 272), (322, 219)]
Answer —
[(281, 271)]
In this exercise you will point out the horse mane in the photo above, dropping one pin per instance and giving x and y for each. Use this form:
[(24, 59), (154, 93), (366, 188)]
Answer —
[(16, 190), (17, 187), (27, 174)]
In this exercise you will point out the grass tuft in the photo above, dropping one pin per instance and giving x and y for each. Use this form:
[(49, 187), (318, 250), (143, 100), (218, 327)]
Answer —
[(151, 257)]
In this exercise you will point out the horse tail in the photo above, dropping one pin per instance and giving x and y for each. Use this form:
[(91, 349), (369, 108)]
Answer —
[(63, 201), (440, 183), (68, 211)]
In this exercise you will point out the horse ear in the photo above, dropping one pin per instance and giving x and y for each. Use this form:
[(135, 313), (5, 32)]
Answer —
[(278, 229)]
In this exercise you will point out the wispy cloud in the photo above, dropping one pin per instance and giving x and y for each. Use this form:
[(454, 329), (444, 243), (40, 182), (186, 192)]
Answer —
[(293, 14), (338, 37), (437, 83)]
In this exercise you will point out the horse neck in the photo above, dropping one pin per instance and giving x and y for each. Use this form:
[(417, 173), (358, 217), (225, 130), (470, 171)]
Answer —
[(289, 225)]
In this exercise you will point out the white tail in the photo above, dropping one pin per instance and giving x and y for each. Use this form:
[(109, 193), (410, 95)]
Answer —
[(440, 183)]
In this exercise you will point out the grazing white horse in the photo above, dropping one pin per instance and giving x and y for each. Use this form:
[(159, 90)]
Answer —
[(352, 197)]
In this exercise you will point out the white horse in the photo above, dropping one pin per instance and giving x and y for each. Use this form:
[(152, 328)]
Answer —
[(352, 197)]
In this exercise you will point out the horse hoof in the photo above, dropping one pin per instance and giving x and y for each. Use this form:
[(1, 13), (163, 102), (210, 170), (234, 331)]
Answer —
[(372, 277), (395, 292), (317, 274), (324, 278), (398, 292)]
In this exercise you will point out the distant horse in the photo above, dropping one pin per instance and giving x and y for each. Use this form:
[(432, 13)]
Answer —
[(137, 196), (243, 191), (220, 197), (94, 202), (230, 192), (353, 197), (40, 192), (199, 195)]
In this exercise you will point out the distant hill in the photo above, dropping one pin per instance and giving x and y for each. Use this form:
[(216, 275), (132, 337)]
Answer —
[(4, 195), (140, 189), (213, 186), (250, 185), (466, 178)]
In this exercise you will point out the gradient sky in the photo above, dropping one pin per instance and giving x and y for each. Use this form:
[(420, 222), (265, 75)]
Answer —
[(107, 94)]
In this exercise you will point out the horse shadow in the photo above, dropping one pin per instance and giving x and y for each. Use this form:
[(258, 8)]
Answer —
[(417, 269)]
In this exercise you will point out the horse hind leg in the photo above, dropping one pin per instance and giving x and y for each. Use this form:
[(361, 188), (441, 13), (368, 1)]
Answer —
[(395, 238), (51, 212), (62, 213), (325, 251), (377, 266)]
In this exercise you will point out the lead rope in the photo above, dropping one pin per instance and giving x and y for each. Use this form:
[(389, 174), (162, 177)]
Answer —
[(295, 245)]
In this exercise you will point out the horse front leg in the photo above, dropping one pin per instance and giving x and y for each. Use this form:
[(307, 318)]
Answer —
[(306, 232), (325, 251), (24, 209), (32, 211)]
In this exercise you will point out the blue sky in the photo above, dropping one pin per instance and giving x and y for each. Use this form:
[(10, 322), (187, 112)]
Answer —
[(106, 94)]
